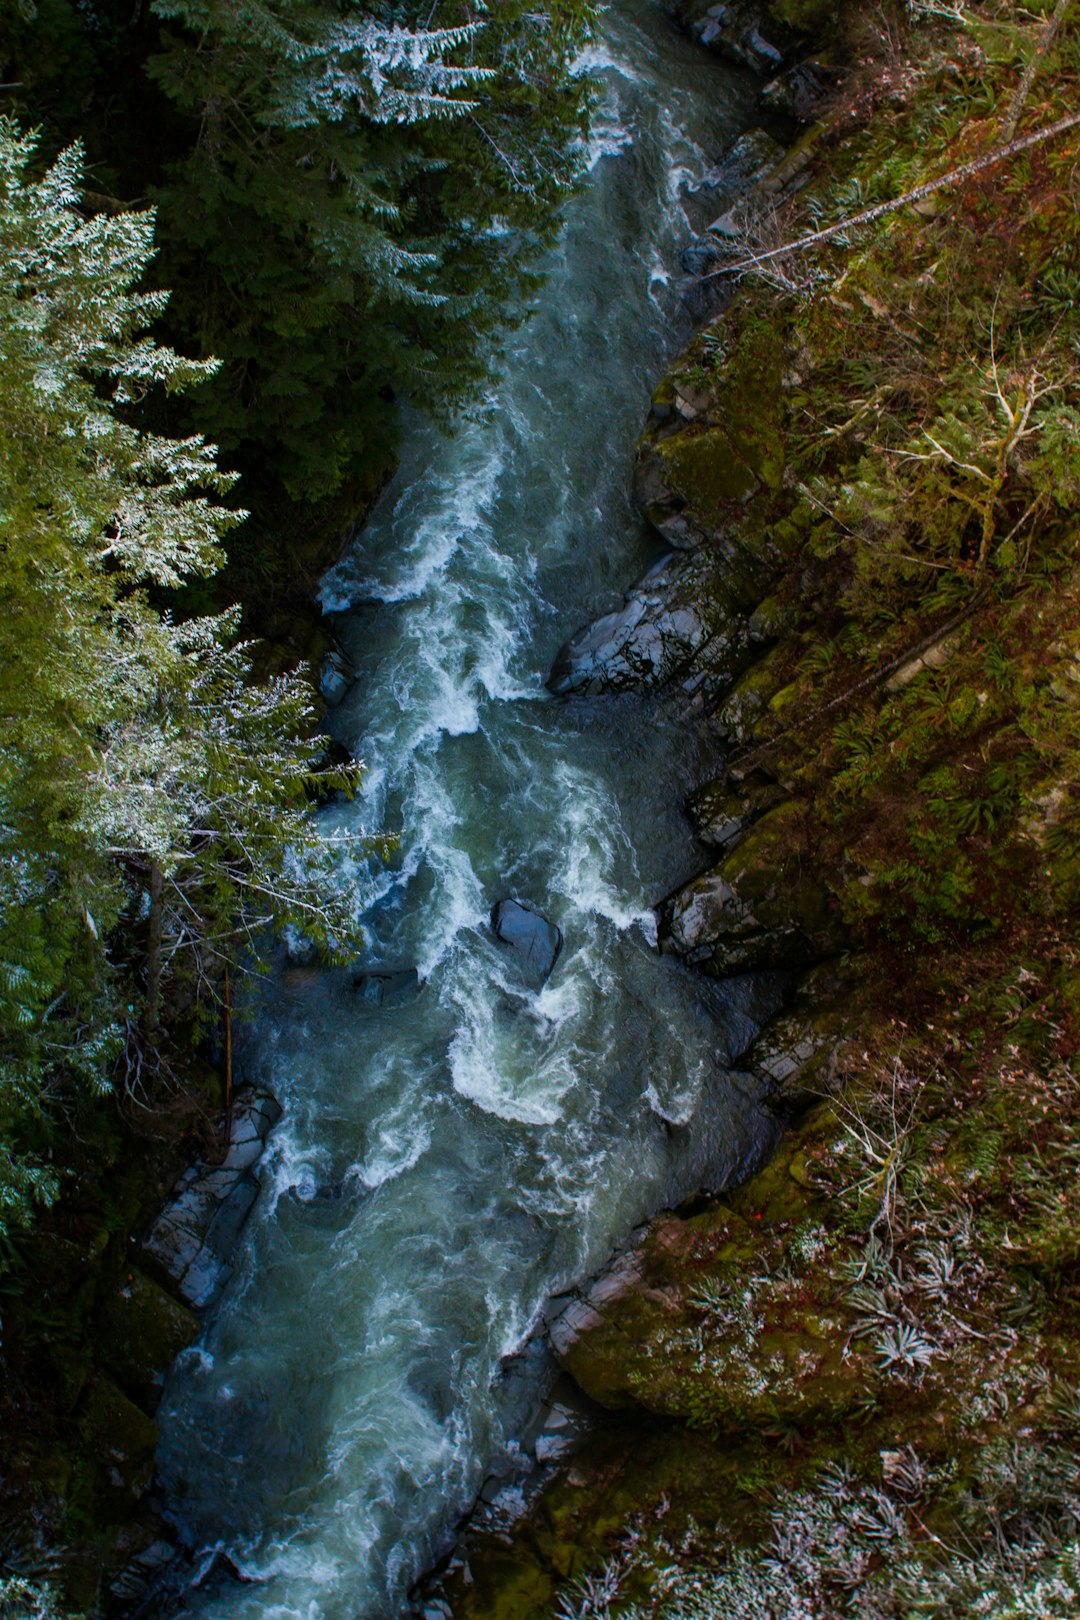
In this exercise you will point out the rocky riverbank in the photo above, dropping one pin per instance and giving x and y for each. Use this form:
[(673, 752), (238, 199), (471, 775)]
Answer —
[(855, 1377)]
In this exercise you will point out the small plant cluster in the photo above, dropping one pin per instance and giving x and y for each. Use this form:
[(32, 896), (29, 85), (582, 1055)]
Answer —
[(22, 1599)]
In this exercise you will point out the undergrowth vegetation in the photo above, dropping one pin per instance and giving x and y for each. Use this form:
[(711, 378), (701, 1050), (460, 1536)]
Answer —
[(931, 490)]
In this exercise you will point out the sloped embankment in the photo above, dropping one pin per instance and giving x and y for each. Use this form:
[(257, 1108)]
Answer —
[(855, 1380)]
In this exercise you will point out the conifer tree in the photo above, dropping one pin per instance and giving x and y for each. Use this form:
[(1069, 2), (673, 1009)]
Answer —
[(362, 195), (139, 766)]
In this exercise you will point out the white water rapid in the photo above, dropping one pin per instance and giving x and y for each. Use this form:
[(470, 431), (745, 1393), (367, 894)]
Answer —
[(483, 1144)]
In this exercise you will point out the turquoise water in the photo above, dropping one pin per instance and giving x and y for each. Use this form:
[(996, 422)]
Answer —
[(448, 1162)]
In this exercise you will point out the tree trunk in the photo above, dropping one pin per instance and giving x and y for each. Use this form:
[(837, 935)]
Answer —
[(152, 1014)]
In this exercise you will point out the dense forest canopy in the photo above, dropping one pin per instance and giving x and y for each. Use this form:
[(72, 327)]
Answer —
[(153, 797), (348, 196)]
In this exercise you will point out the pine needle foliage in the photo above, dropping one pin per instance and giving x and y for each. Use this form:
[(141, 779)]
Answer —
[(140, 766), (361, 198)]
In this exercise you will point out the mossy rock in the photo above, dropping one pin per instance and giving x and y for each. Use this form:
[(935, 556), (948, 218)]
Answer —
[(752, 404), (116, 1458), (765, 905), (705, 472), (797, 1052), (141, 1332), (773, 617), (777, 1353), (721, 813), (660, 1477), (745, 715)]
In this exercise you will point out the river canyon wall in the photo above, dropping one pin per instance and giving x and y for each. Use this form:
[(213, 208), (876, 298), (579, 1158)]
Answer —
[(853, 1378)]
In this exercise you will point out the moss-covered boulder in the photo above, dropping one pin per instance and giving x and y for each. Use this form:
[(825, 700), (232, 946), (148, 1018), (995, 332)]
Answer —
[(116, 1459), (720, 445), (632, 1470), (726, 1317), (796, 1053), (765, 905), (722, 812), (746, 715), (141, 1331)]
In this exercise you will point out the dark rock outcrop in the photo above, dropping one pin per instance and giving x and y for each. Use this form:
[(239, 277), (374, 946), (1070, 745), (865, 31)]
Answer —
[(535, 941), (142, 1330), (195, 1237), (722, 814), (683, 620), (736, 31), (797, 91), (744, 165), (763, 906)]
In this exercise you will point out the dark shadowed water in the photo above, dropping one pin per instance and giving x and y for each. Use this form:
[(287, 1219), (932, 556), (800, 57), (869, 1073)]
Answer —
[(483, 1143)]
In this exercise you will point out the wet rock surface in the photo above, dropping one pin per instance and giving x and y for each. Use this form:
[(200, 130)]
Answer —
[(535, 942), (746, 162), (195, 1237), (763, 906), (722, 814), (738, 31), (336, 677), (681, 621)]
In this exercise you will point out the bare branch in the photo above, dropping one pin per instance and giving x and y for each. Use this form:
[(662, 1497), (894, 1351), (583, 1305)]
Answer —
[(880, 209)]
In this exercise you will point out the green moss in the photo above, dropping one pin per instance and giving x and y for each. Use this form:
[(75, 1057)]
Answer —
[(115, 1462), (706, 472), (141, 1332), (751, 403)]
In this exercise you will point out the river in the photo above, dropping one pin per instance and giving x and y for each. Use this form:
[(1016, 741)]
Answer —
[(448, 1161)]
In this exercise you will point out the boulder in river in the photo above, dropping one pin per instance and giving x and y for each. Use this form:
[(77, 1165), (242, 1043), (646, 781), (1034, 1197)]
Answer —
[(533, 939), (380, 985)]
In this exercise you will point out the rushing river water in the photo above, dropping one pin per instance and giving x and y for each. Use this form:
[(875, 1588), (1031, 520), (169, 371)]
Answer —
[(484, 1144)]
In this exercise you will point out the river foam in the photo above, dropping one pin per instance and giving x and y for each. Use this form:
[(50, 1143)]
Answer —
[(449, 1160)]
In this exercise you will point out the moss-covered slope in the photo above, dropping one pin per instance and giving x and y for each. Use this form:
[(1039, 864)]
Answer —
[(868, 1357)]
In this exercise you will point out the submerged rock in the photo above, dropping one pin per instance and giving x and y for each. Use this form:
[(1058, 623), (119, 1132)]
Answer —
[(380, 985), (195, 1237), (533, 939)]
